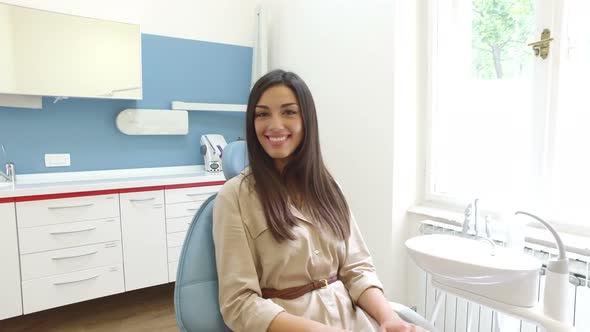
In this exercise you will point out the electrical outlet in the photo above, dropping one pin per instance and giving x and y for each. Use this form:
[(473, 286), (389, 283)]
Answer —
[(57, 159)]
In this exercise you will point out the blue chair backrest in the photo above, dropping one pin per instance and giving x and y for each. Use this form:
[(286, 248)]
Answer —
[(196, 290)]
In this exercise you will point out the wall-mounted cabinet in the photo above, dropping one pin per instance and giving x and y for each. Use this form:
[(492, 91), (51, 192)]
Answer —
[(44, 53)]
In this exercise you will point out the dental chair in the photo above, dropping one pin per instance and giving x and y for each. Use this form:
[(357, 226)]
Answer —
[(196, 290)]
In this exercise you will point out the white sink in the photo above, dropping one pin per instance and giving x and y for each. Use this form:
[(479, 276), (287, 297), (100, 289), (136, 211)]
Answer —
[(500, 274)]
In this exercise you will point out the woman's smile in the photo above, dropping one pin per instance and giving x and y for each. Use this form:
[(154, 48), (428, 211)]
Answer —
[(278, 141)]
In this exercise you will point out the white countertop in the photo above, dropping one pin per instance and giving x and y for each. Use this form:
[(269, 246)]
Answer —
[(66, 182)]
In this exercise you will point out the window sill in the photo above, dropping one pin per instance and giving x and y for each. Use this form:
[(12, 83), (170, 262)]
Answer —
[(575, 244)]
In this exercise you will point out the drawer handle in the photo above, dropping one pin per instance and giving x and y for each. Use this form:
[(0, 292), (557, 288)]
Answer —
[(190, 195), (75, 256), (69, 207), (74, 281), (192, 209), (142, 199), (76, 231)]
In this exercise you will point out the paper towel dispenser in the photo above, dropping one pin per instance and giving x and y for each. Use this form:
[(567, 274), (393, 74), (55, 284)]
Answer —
[(152, 122)]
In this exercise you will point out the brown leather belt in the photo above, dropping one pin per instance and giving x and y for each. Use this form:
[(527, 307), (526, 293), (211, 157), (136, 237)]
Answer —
[(295, 292)]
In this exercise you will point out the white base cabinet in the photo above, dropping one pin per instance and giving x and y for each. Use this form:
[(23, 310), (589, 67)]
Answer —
[(143, 235), (55, 252), (10, 302)]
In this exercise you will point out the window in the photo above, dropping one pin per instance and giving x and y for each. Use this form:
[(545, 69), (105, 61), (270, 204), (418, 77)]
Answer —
[(506, 126)]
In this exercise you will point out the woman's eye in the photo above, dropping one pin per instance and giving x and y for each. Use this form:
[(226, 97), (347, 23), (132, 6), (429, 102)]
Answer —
[(290, 112), (261, 114)]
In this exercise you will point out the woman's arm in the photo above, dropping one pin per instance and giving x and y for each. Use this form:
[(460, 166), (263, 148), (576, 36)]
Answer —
[(373, 301), (359, 276), (285, 322), (356, 269)]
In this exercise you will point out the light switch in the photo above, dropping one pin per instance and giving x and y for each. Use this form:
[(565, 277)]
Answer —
[(57, 159)]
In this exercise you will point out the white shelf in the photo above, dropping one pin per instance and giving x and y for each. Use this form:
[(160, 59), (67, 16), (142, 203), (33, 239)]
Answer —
[(180, 105)]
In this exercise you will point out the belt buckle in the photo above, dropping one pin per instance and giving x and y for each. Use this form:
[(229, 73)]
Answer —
[(324, 283)]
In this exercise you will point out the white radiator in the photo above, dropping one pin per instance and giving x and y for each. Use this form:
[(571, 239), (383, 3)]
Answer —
[(453, 314)]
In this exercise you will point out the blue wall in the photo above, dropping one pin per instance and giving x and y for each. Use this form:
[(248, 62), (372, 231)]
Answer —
[(173, 69)]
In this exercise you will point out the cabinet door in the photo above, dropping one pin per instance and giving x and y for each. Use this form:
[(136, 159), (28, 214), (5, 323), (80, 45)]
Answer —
[(10, 287), (143, 226)]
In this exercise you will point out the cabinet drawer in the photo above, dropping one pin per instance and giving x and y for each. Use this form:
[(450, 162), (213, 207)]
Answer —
[(172, 269), (55, 291), (181, 224), (190, 194), (67, 235), (183, 209), (176, 239), (56, 211), (174, 253), (49, 263)]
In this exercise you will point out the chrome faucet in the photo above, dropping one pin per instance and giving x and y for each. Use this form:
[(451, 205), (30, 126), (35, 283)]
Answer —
[(472, 213), (467, 218), (469, 215), (10, 175)]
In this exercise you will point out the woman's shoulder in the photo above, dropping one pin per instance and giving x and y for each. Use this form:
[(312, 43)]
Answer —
[(241, 184)]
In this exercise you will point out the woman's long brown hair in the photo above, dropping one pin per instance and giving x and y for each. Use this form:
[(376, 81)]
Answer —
[(305, 174)]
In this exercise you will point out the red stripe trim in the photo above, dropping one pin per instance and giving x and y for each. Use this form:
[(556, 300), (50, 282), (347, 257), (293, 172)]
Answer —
[(132, 190), (190, 185), (107, 192)]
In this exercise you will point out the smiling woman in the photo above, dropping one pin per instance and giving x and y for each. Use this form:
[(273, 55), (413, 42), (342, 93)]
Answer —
[(289, 254)]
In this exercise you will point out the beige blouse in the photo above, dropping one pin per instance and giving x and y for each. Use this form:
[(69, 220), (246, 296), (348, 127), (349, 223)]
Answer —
[(248, 259)]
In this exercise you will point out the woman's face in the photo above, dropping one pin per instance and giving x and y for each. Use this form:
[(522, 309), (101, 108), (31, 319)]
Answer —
[(278, 123)]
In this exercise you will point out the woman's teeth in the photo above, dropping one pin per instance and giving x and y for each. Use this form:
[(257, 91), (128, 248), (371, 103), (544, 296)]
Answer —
[(277, 139)]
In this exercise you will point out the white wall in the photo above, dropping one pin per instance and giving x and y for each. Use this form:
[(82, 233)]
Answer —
[(222, 21), (361, 72), (409, 124)]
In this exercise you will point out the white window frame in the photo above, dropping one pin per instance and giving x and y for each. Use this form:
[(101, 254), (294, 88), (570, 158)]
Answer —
[(544, 123)]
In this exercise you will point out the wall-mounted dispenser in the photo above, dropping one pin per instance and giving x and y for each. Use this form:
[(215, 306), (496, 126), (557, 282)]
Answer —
[(152, 122)]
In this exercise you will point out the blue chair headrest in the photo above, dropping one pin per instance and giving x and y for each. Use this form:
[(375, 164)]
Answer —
[(235, 159)]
